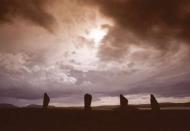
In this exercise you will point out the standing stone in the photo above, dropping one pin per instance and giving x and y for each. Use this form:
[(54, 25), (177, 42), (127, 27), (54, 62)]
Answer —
[(154, 104), (123, 102), (87, 102), (46, 101)]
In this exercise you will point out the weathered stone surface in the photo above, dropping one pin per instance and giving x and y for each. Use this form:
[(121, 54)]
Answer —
[(46, 101), (123, 102), (154, 104), (87, 102)]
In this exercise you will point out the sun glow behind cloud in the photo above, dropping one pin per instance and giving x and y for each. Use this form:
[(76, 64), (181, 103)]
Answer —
[(97, 35)]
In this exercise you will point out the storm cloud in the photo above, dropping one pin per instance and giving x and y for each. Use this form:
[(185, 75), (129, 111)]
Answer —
[(31, 10), (161, 24)]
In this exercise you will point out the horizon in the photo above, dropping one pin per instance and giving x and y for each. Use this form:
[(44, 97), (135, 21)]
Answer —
[(114, 102), (105, 105)]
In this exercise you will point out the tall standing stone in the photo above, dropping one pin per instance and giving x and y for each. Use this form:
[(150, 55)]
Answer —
[(154, 104), (46, 101), (87, 102), (123, 102)]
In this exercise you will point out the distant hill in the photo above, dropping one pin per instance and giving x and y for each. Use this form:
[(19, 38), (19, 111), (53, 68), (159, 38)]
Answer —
[(5, 105), (175, 104), (162, 105), (33, 106), (165, 105), (103, 107), (37, 106)]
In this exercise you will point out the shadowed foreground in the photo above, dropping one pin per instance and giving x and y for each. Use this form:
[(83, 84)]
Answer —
[(79, 120)]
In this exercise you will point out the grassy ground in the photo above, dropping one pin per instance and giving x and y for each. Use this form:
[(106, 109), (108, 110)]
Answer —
[(78, 120)]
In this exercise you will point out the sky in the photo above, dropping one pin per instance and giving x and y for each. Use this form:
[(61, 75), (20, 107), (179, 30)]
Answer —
[(103, 47)]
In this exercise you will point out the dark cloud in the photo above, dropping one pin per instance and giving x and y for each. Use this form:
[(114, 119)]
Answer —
[(179, 89), (32, 10), (164, 84), (158, 23)]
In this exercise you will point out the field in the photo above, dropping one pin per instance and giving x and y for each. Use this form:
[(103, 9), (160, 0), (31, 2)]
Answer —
[(60, 119)]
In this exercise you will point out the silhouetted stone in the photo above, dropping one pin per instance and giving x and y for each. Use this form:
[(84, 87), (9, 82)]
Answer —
[(154, 104), (87, 102), (46, 101), (123, 102)]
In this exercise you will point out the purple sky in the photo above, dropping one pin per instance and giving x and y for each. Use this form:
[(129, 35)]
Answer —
[(104, 47)]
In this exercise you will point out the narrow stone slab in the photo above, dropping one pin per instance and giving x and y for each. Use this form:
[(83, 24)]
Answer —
[(154, 104), (123, 102), (46, 101), (87, 102)]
